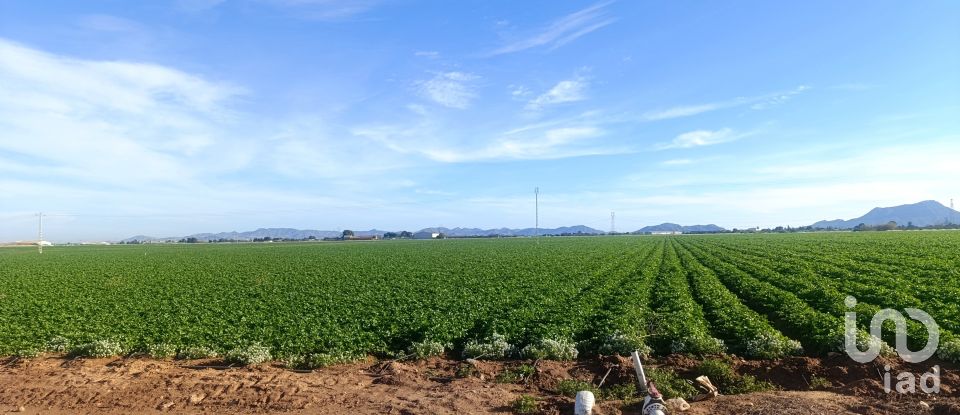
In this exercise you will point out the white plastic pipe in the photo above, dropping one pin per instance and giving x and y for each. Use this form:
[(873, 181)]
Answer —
[(584, 403), (642, 377)]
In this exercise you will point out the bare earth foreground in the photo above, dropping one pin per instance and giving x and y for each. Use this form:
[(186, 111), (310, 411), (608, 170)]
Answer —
[(115, 386)]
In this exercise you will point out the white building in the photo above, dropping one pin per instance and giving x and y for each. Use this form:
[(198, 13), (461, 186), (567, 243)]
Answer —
[(426, 235)]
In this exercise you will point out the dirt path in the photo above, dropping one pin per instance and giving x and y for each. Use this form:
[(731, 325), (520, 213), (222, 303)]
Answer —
[(122, 386)]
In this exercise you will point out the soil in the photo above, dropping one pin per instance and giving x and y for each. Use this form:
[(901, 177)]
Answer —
[(55, 385)]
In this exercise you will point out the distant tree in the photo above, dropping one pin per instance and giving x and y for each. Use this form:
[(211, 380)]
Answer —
[(441, 235), (861, 227), (346, 234), (311, 238), (889, 226), (405, 234), (390, 235)]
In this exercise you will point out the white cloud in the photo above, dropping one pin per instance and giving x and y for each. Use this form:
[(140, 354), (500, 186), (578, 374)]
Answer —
[(117, 122), (682, 111), (570, 90), (107, 23), (777, 99), (757, 102), (700, 138), (676, 162), (561, 31), (519, 91), (450, 89), (432, 54), (325, 9)]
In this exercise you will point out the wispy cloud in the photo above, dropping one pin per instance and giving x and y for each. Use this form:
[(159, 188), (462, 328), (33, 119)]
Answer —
[(570, 90), (92, 119), (777, 99), (561, 31), (450, 89), (108, 23), (325, 9), (757, 102), (432, 54), (700, 138), (676, 162)]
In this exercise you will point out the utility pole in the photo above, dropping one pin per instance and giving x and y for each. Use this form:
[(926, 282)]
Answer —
[(40, 232), (536, 213), (613, 228)]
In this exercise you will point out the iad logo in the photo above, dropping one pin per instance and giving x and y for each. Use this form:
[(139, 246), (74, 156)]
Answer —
[(906, 381)]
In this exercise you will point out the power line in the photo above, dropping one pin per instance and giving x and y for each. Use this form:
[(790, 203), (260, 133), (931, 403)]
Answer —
[(40, 232), (536, 213)]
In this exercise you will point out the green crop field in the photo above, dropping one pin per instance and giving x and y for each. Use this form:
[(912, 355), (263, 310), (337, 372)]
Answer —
[(759, 296)]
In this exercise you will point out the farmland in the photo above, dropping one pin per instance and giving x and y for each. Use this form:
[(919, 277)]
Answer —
[(758, 296)]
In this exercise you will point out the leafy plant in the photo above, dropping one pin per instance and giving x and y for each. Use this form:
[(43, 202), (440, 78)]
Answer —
[(161, 351), (494, 347), (428, 348), (98, 348), (253, 354), (525, 404), (723, 376), (570, 387), (515, 374), (551, 349), (669, 384), (196, 352)]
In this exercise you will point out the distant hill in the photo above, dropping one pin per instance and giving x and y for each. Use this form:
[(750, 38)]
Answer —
[(466, 232), (673, 227), (926, 213), (290, 233)]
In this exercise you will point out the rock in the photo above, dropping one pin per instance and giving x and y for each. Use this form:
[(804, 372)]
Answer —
[(925, 405), (21, 408), (677, 404), (197, 398)]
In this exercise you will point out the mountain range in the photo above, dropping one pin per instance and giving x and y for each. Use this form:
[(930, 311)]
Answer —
[(922, 214), (290, 233), (673, 227), (926, 213)]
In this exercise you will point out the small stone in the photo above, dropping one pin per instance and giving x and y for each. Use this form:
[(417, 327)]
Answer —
[(197, 398), (924, 405), (749, 403), (21, 408)]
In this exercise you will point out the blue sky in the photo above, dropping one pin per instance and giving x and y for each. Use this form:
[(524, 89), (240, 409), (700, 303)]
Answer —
[(174, 117)]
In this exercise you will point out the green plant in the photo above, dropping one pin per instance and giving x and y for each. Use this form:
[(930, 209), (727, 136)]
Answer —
[(28, 353), (622, 392), (515, 374), (570, 387), (196, 352), (669, 384), (465, 370), (161, 351), (319, 360), (723, 376), (551, 349), (494, 347), (253, 354), (98, 348), (525, 404), (428, 348), (819, 383), (58, 344)]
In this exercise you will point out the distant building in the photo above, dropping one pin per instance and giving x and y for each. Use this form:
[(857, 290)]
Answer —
[(426, 235)]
